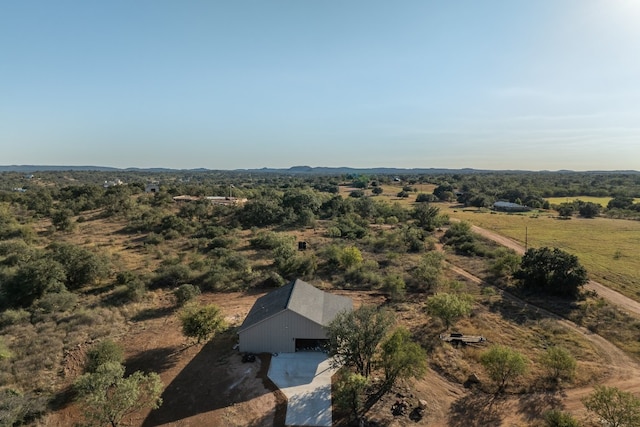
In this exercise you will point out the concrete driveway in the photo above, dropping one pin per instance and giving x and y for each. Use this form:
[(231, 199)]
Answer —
[(305, 378)]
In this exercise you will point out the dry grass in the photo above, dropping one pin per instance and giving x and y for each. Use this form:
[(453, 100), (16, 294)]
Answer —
[(606, 247)]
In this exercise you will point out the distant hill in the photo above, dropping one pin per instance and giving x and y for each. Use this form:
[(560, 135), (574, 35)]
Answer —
[(295, 170)]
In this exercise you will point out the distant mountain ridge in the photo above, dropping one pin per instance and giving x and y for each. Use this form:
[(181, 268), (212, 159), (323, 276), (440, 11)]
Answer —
[(294, 170)]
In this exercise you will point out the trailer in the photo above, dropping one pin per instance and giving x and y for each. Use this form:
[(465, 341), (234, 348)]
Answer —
[(456, 338)]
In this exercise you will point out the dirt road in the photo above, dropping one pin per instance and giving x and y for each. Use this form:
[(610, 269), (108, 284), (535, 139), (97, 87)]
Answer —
[(623, 302), (624, 372)]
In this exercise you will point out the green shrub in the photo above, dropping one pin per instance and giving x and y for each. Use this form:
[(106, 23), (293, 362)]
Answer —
[(270, 240), (171, 275), (201, 322), (333, 232), (103, 352), (153, 239), (55, 302), (556, 418), (185, 293), (11, 317)]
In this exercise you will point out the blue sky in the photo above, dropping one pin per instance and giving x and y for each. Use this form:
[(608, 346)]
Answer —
[(536, 85)]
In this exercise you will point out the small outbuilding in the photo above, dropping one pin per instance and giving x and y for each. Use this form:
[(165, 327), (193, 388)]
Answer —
[(510, 207), (291, 318)]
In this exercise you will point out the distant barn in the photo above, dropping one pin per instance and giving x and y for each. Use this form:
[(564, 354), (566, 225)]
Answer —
[(289, 319), (510, 207)]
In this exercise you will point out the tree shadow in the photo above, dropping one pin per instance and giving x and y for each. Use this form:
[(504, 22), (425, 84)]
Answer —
[(475, 410), (62, 398), (534, 405), (152, 313), (206, 383), (154, 360)]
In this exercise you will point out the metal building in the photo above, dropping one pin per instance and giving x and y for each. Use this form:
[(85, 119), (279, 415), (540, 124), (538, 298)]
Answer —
[(291, 318)]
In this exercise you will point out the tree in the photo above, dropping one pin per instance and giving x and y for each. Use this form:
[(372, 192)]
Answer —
[(355, 335), (425, 198), (565, 210), (33, 280), (559, 363), (82, 267), (551, 271), (427, 217), (449, 307), (505, 263), (589, 209), (620, 202), (377, 191), (401, 358), (349, 393), (395, 286), (201, 322), (108, 396), (615, 407), (61, 219), (503, 365), (444, 191), (429, 270)]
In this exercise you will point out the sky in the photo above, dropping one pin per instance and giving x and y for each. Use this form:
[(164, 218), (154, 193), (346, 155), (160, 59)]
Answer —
[(510, 84)]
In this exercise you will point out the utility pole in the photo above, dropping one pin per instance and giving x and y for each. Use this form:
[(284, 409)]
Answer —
[(526, 238)]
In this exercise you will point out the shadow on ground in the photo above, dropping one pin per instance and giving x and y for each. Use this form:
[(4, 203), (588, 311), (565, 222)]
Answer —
[(533, 406), (156, 360), (476, 410), (207, 383)]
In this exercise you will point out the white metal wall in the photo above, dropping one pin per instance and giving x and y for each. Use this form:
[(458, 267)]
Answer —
[(278, 333)]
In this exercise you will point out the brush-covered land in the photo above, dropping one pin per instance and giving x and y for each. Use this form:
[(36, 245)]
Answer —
[(88, 258)]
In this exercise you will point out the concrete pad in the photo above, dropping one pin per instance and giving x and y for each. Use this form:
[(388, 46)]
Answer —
[(305, 378)]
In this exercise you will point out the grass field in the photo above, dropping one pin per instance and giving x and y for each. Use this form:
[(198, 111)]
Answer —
[(602, 201), (608, 248)]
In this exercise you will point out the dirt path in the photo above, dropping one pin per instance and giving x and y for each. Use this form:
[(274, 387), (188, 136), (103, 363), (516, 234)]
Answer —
[(623, 302), (624, 372)]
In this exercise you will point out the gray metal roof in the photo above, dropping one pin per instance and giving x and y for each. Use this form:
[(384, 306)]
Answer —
[(300, 297), (508, 205)]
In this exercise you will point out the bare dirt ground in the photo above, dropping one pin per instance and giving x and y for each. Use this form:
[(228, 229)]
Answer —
[(616, 298)]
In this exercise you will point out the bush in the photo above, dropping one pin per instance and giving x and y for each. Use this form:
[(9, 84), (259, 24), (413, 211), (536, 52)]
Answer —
[(11, 317), (395, 286), (104, 352), (172, 275), (18, 409), (556, 418), (201, 322), (559, 363), (55, 302), (185, 293), (350, 256), (134, 286), (503, 364), (428, 273)]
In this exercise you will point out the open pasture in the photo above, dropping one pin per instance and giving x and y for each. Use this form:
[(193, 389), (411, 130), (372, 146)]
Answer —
[(608, 248), (602, 201)]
